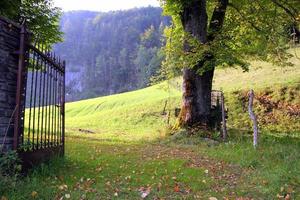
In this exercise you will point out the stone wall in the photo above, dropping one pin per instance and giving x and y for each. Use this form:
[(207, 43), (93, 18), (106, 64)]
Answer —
[(9, 44)]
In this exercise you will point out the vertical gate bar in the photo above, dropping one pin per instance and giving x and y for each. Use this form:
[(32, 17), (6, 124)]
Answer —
[(57, 101), (55, 108), (31, 94), (58, 109), (43, 103), (46, 96), (34, 101), (59, 104), (37, 94), (47, 102), (21, 66), (52, 103), (49, 105), (59, 116), (63, 106), (39, 134), (44, 66)]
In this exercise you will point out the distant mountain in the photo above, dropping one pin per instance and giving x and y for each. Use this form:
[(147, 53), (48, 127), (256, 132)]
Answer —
[(112, 52)]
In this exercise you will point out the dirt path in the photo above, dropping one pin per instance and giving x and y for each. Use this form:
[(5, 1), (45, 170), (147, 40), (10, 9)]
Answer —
[(227, 178)]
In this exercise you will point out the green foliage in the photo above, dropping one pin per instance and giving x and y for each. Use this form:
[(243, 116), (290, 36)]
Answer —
[(9, 170), (122, 50), (9, 163), (150, 55), (249, 32), (10, 8), (275, 108), (40, 16)]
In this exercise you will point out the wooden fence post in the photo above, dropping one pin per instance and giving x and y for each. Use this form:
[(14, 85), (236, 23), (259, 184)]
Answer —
[(253, 118), (224, 127)]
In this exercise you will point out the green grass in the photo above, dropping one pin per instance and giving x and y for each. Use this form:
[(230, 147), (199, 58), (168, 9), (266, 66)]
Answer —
[(270, 170), (260, 76), (130, 147), (124, 117)]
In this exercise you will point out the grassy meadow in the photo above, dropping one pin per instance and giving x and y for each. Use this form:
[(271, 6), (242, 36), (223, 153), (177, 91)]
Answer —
[(120, 147)]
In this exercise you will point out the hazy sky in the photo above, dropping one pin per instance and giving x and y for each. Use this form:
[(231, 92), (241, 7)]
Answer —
[(103, 5)]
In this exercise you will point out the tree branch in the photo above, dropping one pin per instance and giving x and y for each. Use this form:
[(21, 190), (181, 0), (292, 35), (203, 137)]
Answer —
[(288, 11), (217, 19), (245, 19)]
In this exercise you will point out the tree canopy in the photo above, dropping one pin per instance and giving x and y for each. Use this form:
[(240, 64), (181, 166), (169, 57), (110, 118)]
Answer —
[(210, 33), (260, 29), (40, 16)]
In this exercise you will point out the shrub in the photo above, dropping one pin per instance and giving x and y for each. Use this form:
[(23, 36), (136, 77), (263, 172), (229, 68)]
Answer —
[(9, 170)]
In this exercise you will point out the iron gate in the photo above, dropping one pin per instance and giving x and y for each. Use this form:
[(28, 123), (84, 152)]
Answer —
[(39, 130)]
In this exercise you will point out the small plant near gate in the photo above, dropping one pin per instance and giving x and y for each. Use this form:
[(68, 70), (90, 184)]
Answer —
[(10, 169)]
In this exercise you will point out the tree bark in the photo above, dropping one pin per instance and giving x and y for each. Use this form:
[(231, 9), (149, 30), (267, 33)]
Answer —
[(196, 103), (196, 90)]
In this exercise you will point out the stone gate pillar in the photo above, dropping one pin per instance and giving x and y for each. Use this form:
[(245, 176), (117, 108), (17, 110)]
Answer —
[(9, 45)]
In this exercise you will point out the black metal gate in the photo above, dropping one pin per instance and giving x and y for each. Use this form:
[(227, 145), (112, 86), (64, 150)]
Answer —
[(39, 130)]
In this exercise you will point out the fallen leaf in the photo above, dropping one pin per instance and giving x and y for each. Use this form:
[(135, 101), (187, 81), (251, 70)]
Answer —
[(145, 192), (83, 197), (176, 188), (99, 169), (63, 187), (34, 194), (159, 187), (212, 198), (68, 196), (279, 196)]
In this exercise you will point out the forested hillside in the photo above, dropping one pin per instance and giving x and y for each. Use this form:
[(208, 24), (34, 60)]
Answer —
[(112, 52)]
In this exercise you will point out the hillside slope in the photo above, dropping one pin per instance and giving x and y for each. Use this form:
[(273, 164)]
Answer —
[(140, 114)]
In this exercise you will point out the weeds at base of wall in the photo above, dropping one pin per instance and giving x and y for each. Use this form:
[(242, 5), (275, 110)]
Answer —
[(10, 169)]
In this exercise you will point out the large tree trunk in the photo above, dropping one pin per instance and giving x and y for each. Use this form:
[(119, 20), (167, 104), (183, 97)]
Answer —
[(196, 88), (196, 105)]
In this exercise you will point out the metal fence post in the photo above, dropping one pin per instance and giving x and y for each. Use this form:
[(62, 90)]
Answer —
[(20, 87), (63, 106)]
